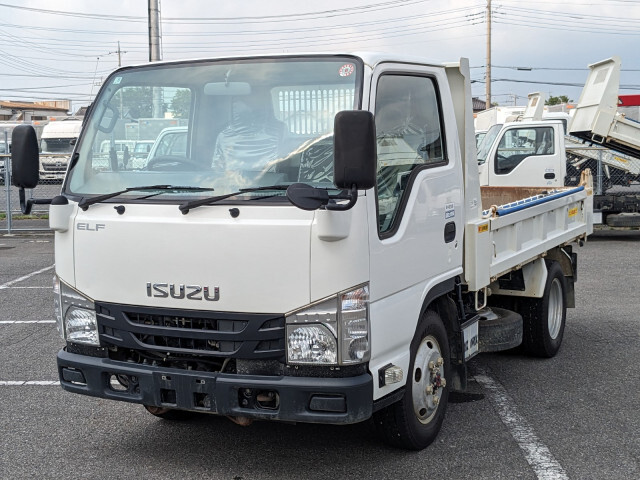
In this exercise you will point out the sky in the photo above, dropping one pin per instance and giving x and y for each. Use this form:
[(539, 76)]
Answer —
[(63, 49)]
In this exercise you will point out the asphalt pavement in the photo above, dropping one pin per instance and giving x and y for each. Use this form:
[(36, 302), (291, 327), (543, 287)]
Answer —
[(574, 416)]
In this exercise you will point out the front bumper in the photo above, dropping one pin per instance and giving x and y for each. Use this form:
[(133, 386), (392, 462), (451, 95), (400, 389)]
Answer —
[(299, 399), (46, 175)]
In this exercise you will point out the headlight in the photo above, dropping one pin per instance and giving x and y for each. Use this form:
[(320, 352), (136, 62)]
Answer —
[(75, 315), (334, 331), (354, 322), (81, 326), (311, 344)]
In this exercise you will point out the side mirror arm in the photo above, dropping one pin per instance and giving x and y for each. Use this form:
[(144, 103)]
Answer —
[(27, 203), (351, 195)]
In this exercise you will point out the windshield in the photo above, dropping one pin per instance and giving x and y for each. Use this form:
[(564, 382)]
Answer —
[(225, 125), (57, 145), (484, 145)]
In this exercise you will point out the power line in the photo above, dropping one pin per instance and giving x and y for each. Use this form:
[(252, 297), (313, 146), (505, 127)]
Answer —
[(571, 69), (298, 16), (246, 19), (562, 84), (565, 28), (95, 16)]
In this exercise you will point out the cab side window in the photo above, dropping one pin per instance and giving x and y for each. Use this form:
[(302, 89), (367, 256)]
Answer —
[(410, 138), (519, 143)]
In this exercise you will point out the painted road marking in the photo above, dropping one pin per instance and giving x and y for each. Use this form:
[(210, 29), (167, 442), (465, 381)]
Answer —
[(19, 322), (25, 277), (19, 383), (25, 288), (545, 466)]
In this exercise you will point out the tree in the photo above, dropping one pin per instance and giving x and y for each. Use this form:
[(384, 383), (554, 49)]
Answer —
[(135, 102), (557, 100), (181, 103)]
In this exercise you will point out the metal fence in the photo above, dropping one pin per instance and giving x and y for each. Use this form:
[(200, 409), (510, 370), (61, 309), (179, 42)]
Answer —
[(614, 174), (11, 217)]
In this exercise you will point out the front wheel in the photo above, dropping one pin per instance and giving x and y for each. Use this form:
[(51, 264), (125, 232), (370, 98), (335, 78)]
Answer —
[(544, 318), (413, 423)]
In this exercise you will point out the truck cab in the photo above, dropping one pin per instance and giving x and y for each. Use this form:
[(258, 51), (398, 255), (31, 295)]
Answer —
[(525, 154)]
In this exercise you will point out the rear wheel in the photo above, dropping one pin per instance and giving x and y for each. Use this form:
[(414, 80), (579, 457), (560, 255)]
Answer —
[(544, 318), (414, 422)]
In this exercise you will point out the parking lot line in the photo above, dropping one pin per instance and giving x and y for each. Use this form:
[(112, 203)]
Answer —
[(25, 277), (19, 322), (20, 383), (544, 465), (26, 288)]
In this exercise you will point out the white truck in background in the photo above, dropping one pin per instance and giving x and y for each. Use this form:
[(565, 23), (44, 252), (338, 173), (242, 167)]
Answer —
[(535, 152), (56, 144), (317, 271), (495, 115)]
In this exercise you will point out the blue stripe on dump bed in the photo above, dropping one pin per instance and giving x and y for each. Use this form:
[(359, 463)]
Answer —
[(531, 201)]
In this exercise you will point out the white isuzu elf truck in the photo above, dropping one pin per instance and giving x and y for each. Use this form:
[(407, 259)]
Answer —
[(320, 251)]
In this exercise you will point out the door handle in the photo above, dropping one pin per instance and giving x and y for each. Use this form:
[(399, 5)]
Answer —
[(549, 176), (449, 232)]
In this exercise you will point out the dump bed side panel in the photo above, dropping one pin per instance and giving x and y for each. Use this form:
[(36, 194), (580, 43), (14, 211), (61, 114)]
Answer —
[(496, 245)]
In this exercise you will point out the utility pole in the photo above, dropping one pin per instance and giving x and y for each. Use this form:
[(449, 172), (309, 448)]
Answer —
[(488, 75), (154, 52), (119, 55), (119, 52), (154, 31)]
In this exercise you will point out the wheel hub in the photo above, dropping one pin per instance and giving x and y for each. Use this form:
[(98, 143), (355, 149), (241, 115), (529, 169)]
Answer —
[(428, 379), (555, 308)]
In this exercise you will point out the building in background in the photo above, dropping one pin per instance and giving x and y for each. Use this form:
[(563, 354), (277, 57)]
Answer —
[(28, 111)]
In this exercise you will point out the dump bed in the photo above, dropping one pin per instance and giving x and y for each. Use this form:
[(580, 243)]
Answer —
[(520, 224), (596, 118)]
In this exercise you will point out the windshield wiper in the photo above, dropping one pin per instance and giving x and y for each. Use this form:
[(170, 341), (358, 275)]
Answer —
[(185, 207), (86, 201)]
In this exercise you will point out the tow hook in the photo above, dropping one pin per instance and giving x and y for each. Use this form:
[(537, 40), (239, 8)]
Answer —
[(242, 421)]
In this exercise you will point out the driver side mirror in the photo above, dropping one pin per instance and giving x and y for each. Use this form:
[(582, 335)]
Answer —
[(355, 153), (25, 165), (25, 160)]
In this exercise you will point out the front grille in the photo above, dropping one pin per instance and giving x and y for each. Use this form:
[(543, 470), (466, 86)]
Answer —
[(53, 167), (179, 340), (162, 333)]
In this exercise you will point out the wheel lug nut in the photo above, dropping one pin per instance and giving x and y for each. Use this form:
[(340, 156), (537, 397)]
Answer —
[(436, 400), (431, 365), (429, 389), (443, 382), (440, 361)]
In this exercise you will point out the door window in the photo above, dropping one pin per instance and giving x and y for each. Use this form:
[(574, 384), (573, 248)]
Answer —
[(409, 137), (519, 143)]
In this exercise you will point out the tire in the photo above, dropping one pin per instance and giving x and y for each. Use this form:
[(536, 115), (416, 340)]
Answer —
[(413, 422), (544, 318), (499, 329), (168, 413)]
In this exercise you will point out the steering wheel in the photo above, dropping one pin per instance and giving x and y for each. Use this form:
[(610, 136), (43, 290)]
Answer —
[(173, 162)]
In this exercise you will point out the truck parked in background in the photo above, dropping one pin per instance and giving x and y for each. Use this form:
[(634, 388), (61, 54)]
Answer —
[(494, 115), (56, 144), (534, 152), (301, 259)]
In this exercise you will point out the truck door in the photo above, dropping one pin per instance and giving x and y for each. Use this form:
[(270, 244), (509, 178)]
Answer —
[(417, 241), (528, 156)]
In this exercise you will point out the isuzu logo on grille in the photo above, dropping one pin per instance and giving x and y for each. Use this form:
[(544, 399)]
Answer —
[(189, 292)]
